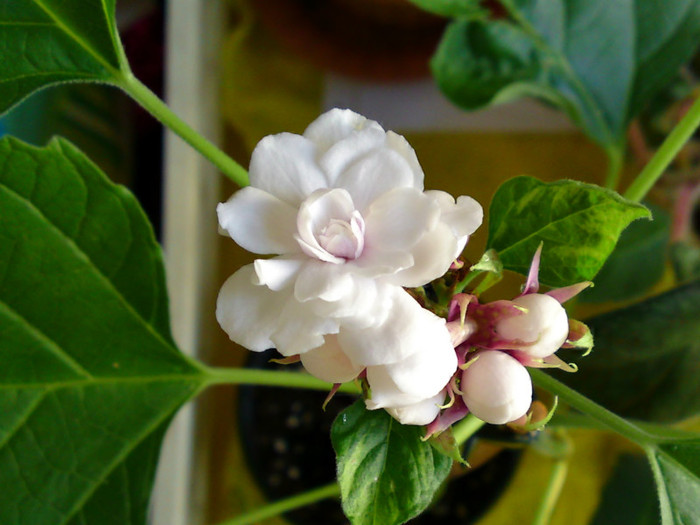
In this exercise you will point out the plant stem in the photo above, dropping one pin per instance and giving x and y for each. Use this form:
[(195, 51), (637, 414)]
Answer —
[(466, 428), (552, 492), (151, 103), (279, 507), (603, 415), (253, 376), (665, 154), (616, 157)]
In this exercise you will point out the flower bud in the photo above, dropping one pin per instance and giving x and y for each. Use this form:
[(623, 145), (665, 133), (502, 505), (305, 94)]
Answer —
[(496, 387), (543, 325)]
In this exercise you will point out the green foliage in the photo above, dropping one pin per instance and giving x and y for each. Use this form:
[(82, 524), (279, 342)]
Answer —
[(644, 364), (89, 375), (452, 8), (636, 264), (598, 61), (45, 42), (676, 466), (387, 474), (578, 223)]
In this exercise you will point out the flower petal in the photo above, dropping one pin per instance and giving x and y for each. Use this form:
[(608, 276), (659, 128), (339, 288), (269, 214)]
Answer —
[(334, 126), (329, 363), (399, 144), (352, 149), (329, 282), (420, 413), (374, 175), (398, 219), (285, 165), (432, 257), (276, 273), (259, 222), (407, 329)]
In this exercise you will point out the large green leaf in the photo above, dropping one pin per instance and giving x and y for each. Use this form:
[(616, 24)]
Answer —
[(452, 8), (89, 376), (636, 264), (578, 223), (43, 42), (676, 467), (645, 361), (597, 60), (387, 474)]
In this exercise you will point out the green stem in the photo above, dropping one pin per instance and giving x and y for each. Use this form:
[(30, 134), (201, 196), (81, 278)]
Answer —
[(552, 492), (466, 428), (603, 415), (665, 154), (151, 103), (616, 157), (279, 507), (253, 376)]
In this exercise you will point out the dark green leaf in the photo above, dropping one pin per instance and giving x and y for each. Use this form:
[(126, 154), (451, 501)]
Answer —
[(452, 8), (44, 42), (89, 376), (676, 467), (645, 361), (578, 223), (636, 264), (598, 61), (629, 496), (387, 474), (685, 258)]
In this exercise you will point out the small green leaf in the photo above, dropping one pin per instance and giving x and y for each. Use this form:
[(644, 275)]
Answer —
[(387, 474), (685, 258), (636, 264), (44, 42), (598, 61), (89, 376), (645, 361), (578, 223), (452, 8), (676, 467), (445, 443)]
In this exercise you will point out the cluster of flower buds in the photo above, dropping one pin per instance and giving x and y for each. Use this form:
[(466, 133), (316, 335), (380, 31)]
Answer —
[(495, 342)]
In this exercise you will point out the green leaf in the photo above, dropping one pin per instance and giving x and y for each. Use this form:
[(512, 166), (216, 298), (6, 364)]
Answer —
[(578, 223), (644, 364), (685, 258), (676, 467), (89, 376), (44, 42), (636, 264), (387, 474), (598, 61), (452, 8), (629, 496)]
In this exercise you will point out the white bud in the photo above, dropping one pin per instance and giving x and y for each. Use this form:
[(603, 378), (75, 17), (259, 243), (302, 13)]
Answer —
[(420, 413), (544, 324), (496, 387)]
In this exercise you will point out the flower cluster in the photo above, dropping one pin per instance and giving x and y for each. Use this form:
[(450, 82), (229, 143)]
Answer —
[(343, 209), (496, 341)]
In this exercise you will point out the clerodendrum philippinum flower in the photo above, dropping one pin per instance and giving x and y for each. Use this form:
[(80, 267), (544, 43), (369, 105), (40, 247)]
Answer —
[(343, 207)]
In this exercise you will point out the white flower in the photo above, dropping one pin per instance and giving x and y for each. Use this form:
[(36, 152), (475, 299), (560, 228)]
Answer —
[(544, 325), (343, 207), (496, 388)]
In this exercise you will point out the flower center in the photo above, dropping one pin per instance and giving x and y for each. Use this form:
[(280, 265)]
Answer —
[(329, 227)]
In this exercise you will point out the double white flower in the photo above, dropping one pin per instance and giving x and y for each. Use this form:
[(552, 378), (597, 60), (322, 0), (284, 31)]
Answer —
[(343, 205)]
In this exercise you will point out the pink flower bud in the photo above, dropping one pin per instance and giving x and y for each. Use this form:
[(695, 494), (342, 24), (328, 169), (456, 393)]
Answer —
[(496, 387), (543, 325)]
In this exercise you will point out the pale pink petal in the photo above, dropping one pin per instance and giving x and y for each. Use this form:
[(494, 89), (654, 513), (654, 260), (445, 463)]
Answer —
[(398, 219), (420, 413), (277, 273), (352, 149), (329, 282), (285, 165), (259, 222), (248, 312), (375, 174), (432, 256), (334, 126), (403, 148), (329, 363), (408, 329)]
